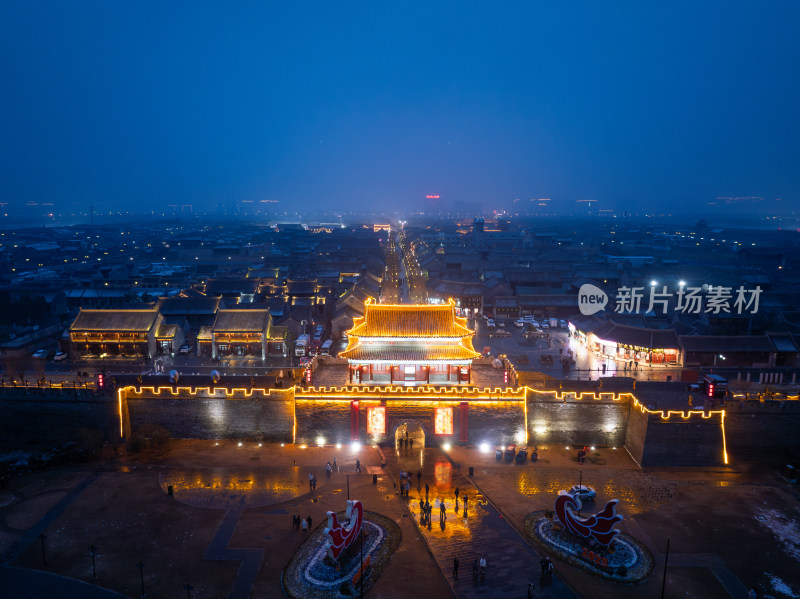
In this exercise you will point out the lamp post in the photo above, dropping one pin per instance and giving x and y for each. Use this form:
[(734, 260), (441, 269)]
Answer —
[(141, 576), (94, 571), (361, 579), (103, 357)]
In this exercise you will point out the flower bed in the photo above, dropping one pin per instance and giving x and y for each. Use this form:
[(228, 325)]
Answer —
[(310, 574), (624, 560)]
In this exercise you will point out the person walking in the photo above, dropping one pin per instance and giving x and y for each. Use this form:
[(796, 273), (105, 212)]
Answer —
[(530, 590), (442, 511), (543, 565), (483, 567), (310, 482), (314, 482), (358, 465), (304, 525), (334, 462), (309, 522), (456, 492), (419, 477), (411, 443), (455, 567), (427, 488), (466, 500)]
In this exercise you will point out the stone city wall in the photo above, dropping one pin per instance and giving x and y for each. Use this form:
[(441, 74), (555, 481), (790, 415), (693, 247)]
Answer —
[(496, 422), (755, 428), (570, 418), (31, 417), (676, 441), (201, 413)]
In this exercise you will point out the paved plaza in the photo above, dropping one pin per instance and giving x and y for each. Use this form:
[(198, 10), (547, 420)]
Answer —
[(227, 531)]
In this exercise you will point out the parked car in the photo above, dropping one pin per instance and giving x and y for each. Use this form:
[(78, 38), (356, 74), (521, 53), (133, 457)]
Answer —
[(522, 455), (519, 323), (40, 354), (60, 355), (582, 492), (498, 454), (185, 349), (544, 325), (511, 451), (562, 324), (490, 322)]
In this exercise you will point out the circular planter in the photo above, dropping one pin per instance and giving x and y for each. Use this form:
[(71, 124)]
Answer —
[(625, 560), (309, 573)]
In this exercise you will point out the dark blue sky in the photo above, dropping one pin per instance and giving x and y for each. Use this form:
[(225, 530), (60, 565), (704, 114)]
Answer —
[(136, 105)]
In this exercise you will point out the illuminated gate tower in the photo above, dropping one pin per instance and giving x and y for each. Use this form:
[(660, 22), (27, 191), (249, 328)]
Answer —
[(410, 345)]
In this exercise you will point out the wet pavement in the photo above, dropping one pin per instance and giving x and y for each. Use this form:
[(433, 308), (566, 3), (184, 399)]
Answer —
[(511, 563)]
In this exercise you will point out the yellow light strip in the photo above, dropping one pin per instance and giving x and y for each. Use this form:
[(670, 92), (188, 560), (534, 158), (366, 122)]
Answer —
[(724, 442), (119, 400)]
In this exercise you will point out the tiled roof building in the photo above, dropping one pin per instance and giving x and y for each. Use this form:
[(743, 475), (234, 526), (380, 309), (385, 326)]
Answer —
[(410, 345)]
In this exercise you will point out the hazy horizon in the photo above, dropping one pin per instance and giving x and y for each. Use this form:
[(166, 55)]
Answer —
[(636, 108)]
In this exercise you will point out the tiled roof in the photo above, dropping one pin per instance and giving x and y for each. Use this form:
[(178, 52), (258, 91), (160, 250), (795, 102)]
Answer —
[(726, 343), (188, 305), (385, 320), (241, 320), (166, 331), (115, 320), (409, 352)]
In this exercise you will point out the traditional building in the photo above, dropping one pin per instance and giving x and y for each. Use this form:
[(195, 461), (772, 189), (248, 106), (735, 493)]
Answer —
[(242, 333), (410, 345), (115, 332)]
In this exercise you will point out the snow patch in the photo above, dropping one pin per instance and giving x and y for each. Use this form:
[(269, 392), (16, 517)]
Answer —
[(784, 528), (780, 586)]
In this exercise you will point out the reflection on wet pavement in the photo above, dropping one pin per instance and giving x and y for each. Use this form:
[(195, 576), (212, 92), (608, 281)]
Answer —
[(511, 564), (223, 487), (636, 491)]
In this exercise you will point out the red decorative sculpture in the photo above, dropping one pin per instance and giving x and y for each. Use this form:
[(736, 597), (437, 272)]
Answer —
[(340, 537), (599, 526)]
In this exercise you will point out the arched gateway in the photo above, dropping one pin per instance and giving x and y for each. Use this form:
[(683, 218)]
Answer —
[(409, 430)]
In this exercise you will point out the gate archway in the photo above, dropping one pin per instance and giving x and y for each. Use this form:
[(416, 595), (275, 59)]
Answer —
[(410, 429)]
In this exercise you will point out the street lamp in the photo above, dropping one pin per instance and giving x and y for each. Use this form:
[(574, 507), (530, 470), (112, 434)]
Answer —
[(103, 356)]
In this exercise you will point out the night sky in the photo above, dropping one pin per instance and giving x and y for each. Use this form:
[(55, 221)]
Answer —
[(135, 105)]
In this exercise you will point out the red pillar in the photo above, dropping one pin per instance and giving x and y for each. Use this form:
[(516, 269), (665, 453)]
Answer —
[(463, 430)]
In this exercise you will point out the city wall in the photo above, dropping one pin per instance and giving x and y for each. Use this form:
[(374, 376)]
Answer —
[(760, 428), (34, 417), (574, 418), (209, 413), (494, 416), (656, 438)]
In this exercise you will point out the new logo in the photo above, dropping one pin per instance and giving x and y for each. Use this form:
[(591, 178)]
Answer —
[(591, 299)]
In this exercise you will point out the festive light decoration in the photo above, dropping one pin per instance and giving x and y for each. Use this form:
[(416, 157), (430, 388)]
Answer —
[(443, 421), (600, 526), (376, 420)]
